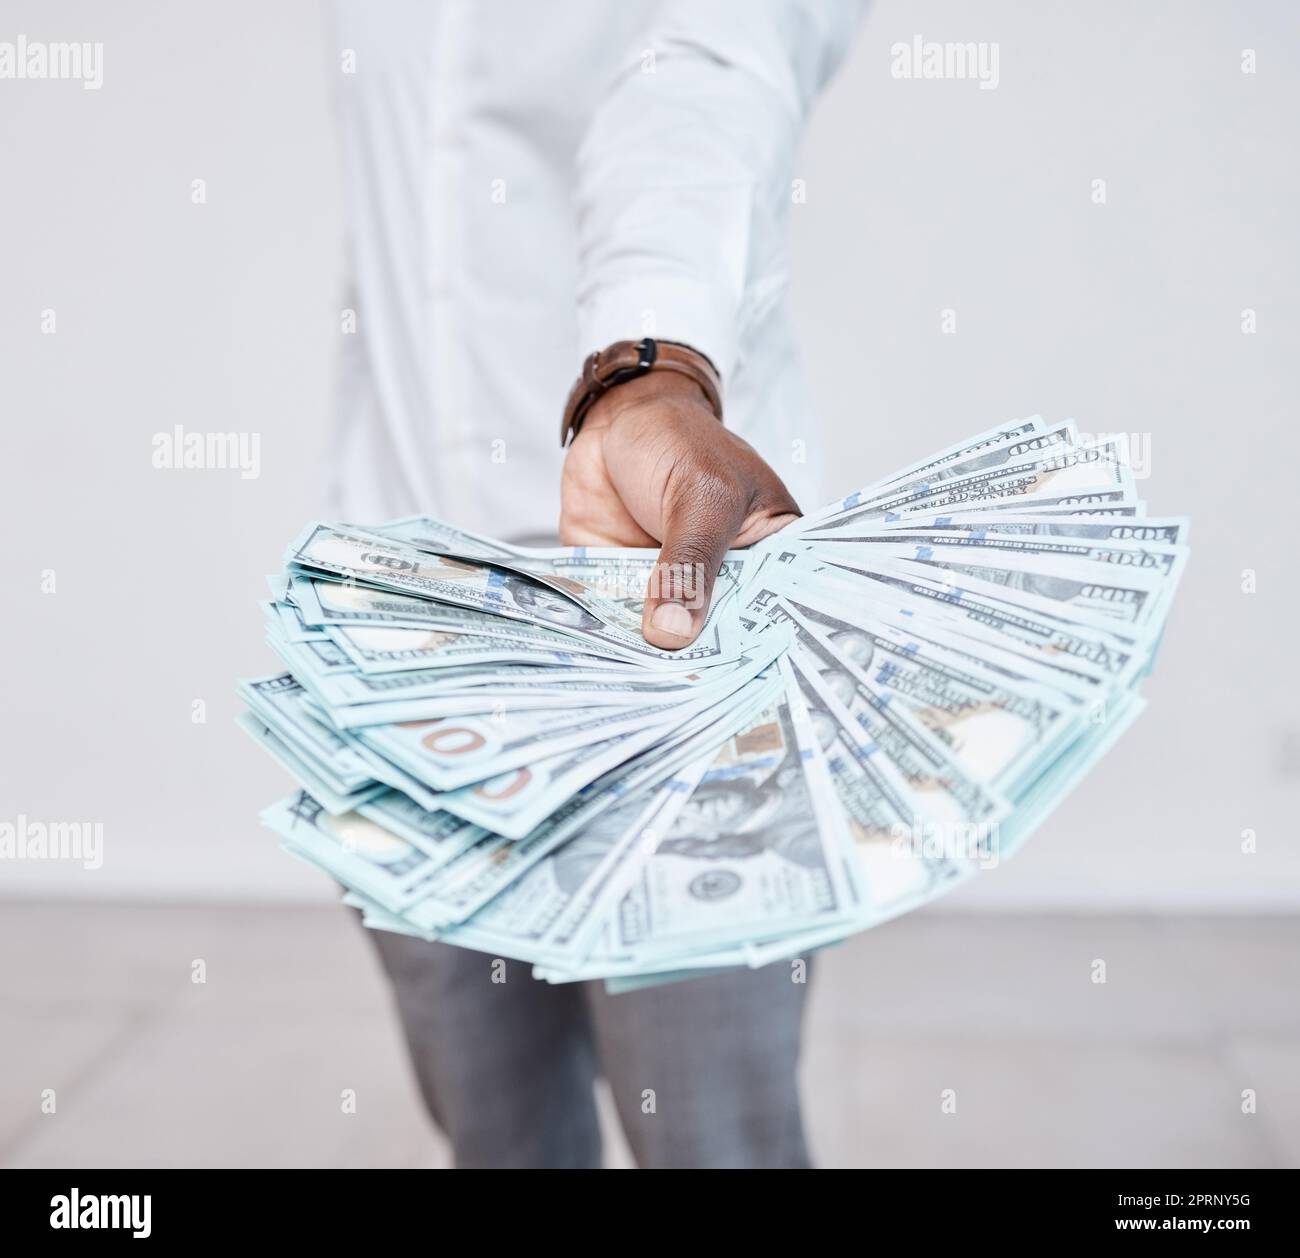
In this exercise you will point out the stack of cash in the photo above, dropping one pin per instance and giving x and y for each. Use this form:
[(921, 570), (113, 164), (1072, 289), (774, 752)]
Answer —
[(886, 697)]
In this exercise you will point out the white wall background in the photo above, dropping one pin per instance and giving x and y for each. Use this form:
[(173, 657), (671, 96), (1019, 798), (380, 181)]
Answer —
[(922, 195)]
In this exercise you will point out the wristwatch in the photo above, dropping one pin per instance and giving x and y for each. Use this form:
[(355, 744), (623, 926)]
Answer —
[(626, 360)]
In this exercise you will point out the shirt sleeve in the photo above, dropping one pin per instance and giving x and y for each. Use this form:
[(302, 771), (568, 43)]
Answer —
[(684, 177)]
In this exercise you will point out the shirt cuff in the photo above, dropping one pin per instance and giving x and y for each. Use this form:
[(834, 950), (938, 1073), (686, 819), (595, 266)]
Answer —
[(672, 266), (666, 309)]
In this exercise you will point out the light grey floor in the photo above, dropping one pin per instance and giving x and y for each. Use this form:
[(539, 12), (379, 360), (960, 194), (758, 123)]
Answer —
[(1047, 1067)]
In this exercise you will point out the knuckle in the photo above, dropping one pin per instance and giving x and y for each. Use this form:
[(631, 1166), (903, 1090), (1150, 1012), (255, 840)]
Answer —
[(714, 486), (707, 495)]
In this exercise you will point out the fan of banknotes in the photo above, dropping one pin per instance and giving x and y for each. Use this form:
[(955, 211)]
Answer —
[(887, 697)]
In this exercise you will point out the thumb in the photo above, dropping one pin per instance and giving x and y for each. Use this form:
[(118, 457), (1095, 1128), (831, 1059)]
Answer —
[(697, 533)]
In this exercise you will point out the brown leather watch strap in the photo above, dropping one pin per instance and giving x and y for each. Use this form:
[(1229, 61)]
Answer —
[(626, 360)]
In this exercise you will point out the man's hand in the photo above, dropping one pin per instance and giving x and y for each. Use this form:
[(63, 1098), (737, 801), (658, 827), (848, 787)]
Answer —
[(651, 466)]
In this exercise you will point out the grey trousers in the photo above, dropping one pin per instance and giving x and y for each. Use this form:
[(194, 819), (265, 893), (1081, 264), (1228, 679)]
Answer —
[(702, 1072)]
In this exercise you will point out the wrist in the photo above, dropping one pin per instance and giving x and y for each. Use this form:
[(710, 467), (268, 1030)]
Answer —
[(654, 389), (621, 365)]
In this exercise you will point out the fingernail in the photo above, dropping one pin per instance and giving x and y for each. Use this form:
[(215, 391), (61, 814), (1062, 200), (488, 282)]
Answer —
[(672, 618)]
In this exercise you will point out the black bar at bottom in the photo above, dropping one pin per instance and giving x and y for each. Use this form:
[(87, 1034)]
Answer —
[(383, 1206)]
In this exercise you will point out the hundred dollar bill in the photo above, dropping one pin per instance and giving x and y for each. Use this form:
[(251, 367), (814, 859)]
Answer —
[(970, 643), (441, 836), (389, 564), (574, 933), (517, 800), (937, 781), (486, 870), (279, 702), (1008, 434), (327, 600), (1037, 447), (354, 849), (559, 889), (319, 659), (1094, 588), (289, 710), (609, 582), (757, 850), (446, 754), (1004, 434), (1076, 654), (339, 683), (289, 623), (366, 700), (1149, 532), (1117, 503), (436, 538), (1074, 470), (477, 690), (334, 796), (982, 543), (894, 871), (388, 649), (941, 783), (997, 724), (1106, 503), (893, 859)]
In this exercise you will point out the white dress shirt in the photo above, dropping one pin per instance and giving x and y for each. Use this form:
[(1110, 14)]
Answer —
[(527, 182)]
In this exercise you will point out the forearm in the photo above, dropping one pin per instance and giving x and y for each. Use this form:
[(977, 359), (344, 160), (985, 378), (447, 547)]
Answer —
[(683, 179)]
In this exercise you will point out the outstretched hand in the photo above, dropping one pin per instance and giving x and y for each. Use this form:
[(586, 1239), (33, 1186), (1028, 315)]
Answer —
[(652, 466)]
